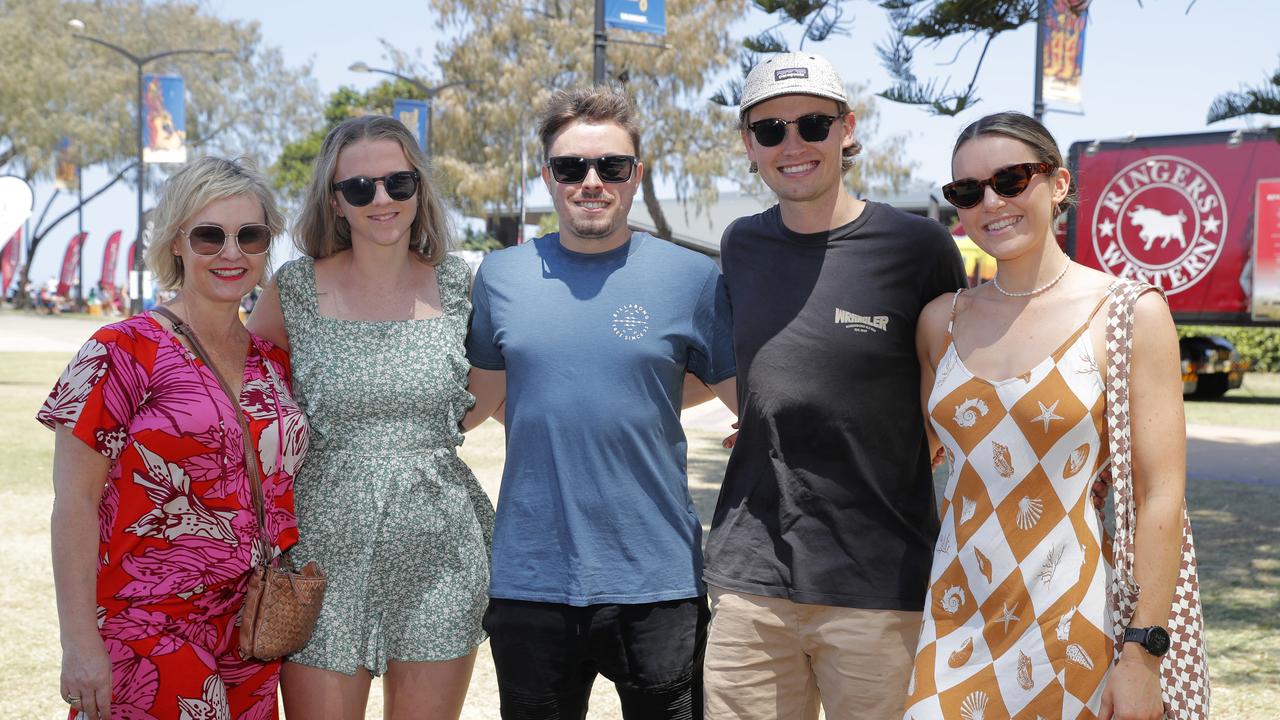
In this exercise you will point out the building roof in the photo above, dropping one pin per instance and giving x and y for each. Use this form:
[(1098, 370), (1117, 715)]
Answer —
[(701, 229)]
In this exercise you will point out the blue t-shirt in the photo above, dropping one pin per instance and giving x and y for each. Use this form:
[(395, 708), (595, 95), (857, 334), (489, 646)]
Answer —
[(595, 504)]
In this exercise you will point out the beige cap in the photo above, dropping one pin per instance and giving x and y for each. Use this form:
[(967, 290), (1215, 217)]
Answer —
[(794, 73)]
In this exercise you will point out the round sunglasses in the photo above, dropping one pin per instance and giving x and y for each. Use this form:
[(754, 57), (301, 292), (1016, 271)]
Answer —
[(360, 190), (1008, 182), (572, 169), (253, 239), (813, 128)]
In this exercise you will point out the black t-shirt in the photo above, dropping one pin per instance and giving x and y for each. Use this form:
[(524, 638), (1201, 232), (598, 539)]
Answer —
[(828, 497)]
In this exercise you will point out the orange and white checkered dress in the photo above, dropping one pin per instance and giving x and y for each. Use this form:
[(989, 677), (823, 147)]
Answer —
[(1016, 620)]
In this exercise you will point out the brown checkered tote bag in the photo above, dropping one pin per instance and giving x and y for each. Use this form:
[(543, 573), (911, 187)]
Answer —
[(1184, 670)]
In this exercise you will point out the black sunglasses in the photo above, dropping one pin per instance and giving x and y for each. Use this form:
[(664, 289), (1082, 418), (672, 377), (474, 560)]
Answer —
[(813, 128), (571, 169), (360, 190), (252, 239), (1008, 182)]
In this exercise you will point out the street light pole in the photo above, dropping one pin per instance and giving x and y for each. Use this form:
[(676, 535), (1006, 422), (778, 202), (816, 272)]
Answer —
[(429, 92), (138, 61)]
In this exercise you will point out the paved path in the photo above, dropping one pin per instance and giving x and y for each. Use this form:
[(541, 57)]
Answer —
[(24, 331), (1214, 452)]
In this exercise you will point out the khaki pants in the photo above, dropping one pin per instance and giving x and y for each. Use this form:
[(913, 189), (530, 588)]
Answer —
[(773, 659)]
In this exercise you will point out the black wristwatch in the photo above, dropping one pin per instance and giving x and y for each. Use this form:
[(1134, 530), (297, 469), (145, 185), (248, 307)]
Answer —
[(1154, 639)]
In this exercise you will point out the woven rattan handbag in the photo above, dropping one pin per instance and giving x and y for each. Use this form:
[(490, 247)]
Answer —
[(1184, 670), (281, 604)]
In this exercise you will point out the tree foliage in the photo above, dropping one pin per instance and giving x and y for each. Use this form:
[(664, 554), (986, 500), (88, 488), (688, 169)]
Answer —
[(54, 85), (249, 102), (1263, 99), (517, 55)]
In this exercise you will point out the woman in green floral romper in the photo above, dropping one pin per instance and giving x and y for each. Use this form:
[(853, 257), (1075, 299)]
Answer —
[(375, 317)]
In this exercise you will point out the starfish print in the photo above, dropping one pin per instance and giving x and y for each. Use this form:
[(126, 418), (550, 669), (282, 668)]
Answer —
[(1047, 414), (1007, 616)]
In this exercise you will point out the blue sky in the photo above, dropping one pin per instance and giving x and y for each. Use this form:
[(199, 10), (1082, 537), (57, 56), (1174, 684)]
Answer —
[(1148, 70)]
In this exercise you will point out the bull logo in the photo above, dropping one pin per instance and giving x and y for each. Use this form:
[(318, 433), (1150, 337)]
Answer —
[(1160, 220), (1155, 225)]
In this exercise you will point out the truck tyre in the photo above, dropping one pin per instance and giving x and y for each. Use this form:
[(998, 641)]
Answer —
[(1211, 386)]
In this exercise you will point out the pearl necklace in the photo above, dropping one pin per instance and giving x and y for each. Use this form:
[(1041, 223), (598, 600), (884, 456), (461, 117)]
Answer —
[(996, 281)]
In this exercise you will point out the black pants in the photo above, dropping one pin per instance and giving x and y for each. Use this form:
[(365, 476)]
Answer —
[(548, 655)]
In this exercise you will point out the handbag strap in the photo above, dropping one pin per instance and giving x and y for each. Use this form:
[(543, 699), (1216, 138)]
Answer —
[(1119, 337), (250, 465)]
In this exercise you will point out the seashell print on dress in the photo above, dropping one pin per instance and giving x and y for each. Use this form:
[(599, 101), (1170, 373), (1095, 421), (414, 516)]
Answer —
[(1064, 625), (967, 509), (968, 412), (952, 600), (1077, 655), (984, 564), (961, 655), (1029, 511), (1024, 672), (1075, 461), (974, 706), (1050, 565), (1002, 458)]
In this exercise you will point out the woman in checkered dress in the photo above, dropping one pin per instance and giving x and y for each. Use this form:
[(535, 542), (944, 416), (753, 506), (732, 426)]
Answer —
[(1017, 622)]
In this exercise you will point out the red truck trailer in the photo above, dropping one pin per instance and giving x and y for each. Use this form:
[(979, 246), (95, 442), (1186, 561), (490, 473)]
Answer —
[(1196, 215)]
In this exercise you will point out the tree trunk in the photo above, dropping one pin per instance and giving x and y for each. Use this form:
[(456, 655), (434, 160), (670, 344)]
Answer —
[(661, 228)]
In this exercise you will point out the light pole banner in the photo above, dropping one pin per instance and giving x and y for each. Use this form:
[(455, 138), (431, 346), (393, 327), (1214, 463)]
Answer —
[(9, 261), (413, 115), (1266, 251), (70, 265), (1064, 50), (648, 16), (66, 173), (109, 256), (164, 138)]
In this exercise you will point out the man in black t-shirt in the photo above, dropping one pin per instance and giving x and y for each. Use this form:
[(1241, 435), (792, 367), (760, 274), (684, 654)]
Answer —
[(821, 543)]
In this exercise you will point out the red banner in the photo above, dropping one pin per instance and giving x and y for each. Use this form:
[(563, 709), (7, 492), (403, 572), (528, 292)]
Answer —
[(9, 261), (130, 256), (1176, 212), (70, 264), (109, 255)]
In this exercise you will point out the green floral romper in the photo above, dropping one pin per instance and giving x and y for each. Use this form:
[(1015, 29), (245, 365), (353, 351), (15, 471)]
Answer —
[(384, 504)]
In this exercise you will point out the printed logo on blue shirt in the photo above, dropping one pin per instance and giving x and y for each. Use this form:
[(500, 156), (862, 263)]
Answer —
[(630, 322)]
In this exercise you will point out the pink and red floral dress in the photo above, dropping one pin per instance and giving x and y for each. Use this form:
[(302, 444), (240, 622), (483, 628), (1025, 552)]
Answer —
[(178, 533)]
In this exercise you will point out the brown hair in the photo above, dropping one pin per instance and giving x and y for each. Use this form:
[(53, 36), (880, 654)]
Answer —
[(320, 232), (1030, 132), (588, 105), (200, 182)]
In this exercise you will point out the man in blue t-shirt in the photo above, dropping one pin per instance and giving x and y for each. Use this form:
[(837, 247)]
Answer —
[(588, 334)]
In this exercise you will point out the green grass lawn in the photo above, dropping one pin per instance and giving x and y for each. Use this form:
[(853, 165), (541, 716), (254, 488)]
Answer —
[(1237, 535), (1255, 404)]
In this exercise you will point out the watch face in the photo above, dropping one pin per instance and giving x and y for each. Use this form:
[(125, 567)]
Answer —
[(1157, 641)]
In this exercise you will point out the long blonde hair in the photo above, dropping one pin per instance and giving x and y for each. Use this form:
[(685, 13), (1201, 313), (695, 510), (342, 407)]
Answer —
[(319, 232)]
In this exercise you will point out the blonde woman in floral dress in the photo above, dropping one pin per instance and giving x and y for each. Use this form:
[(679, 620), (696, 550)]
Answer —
[(154, 525), (375, 317), (1016, 622)]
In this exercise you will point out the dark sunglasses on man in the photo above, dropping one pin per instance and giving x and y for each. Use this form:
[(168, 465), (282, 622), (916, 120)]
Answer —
[(360, 190), (572, 169), (1009, 182), (253, 239), (814, 128)]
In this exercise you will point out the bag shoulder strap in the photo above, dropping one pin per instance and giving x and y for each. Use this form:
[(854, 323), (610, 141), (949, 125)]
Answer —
[(250, 465)]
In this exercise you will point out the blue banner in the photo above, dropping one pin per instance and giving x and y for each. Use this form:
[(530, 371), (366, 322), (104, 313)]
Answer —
[(164, 131), (648, 16), (413, 114)]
